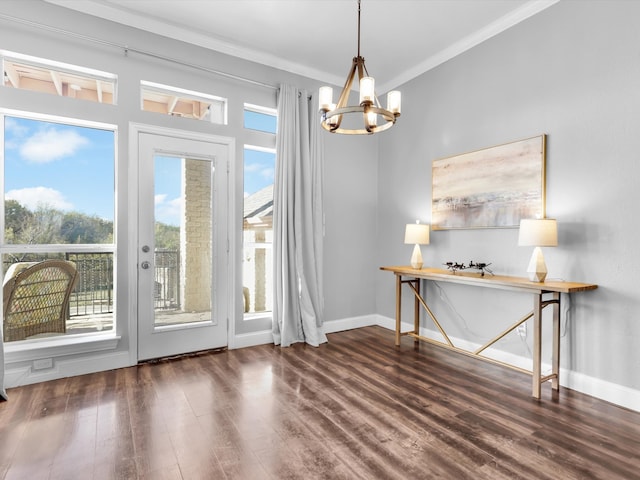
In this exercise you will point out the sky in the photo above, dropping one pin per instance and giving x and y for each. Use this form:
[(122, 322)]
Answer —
[(71, 168), (61, 166)]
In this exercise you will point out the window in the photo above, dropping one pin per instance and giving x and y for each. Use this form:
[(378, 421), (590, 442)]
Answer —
[(259, 118), (59, 202), (179, 102), (259, 171), (62, 79), (257, 271)]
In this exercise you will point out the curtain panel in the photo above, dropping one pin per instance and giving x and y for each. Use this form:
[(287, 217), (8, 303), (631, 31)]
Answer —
[(298, 222)]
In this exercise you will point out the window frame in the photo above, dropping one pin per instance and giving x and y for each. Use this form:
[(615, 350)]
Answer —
[(34, 349)]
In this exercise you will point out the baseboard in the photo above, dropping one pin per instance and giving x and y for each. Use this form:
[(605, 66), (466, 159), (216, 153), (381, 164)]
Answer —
[(343, 324), (252, 339), (601, 389), (265, 336), (22, 374)]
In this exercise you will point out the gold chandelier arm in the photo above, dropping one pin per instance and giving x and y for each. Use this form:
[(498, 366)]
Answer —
[(344, 95), (327, 124)]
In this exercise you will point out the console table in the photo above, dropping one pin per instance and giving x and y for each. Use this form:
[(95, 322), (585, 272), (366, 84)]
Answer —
[(544, 294)]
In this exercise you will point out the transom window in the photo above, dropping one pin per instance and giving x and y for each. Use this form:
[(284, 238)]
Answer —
[(259, 118), (179, 102), (57, 78)]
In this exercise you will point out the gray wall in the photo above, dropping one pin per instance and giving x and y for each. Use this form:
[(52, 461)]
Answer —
[(572, 72)]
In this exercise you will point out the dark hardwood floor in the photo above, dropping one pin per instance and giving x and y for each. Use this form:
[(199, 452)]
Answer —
[(355, 408)]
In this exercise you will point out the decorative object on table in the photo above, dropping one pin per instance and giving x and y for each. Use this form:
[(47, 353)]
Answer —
[(481, 266), (538, 233), (417, 234), (491, 188), (367, 112)]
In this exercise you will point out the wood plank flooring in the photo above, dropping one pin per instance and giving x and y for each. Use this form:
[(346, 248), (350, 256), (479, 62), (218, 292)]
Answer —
[(355, 408)]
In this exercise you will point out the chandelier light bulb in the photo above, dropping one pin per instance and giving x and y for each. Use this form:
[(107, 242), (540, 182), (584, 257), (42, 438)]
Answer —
[(367, 90), (325, 98), (394, 99)]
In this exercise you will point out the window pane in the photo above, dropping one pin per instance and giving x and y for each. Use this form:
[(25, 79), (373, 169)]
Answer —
[(58, 183), (179, 102), (259, 167), (261, 119), (57, 247), (41, 75), (184, 207)]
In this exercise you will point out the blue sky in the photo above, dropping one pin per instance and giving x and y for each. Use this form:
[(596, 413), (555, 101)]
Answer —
[(71, 168), (65, 167)]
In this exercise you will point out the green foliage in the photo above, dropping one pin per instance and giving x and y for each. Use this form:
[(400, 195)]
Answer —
[(167, 237), (47, 225)]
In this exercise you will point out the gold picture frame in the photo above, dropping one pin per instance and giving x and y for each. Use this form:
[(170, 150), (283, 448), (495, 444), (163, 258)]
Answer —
[(494, 187)]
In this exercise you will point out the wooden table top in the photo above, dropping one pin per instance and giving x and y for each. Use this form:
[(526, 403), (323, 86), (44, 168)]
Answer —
[(490, 281)]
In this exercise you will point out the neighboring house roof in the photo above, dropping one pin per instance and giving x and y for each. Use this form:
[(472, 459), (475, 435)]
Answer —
[(258, 206)]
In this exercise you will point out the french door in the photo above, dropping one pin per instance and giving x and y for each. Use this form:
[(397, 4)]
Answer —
[(182, 236)]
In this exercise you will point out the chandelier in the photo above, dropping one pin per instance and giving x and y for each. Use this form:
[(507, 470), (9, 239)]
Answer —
[(369, 108)]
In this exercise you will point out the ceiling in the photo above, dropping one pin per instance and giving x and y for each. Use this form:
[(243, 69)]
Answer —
[(400, 39)]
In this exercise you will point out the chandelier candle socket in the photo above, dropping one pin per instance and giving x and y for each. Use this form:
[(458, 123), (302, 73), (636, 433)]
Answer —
[(538, 233), (417, 234), (369, 109)]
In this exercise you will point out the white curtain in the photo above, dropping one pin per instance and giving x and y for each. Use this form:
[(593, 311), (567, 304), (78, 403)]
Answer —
[(298, 222)]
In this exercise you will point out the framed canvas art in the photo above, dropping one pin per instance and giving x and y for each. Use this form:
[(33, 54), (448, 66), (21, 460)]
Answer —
[(490, 188)]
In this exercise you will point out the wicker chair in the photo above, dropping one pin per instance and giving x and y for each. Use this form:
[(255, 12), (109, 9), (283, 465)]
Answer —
[(36, 298)]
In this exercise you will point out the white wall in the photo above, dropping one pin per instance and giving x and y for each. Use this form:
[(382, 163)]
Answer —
[(572, 72)]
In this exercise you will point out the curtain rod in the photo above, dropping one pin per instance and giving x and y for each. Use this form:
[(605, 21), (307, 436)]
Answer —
[(126, 49)]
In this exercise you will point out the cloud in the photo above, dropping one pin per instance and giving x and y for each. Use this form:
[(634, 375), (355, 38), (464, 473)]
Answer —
[(168, 211), (265, 171), (51, 144), (35, 197)]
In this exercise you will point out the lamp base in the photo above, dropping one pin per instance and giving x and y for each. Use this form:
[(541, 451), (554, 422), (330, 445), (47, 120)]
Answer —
[(537, 268), (416, 258)]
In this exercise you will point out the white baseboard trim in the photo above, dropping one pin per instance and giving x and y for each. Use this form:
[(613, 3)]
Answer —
[(265, 336), (343, 324), (22, 374), (602, 389), (252, 339)]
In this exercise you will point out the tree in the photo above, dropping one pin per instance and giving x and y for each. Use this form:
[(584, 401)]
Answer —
[(79, 228), (47, 225), (15, 218), (167, 236)]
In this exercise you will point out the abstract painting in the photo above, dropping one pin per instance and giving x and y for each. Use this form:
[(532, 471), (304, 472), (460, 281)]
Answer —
[(490, 188)]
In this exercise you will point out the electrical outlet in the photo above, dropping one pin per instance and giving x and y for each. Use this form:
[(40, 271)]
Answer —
[(522, 330), (43, 363)]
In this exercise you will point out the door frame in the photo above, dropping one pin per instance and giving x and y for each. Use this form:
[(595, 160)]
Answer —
[(132, 205)]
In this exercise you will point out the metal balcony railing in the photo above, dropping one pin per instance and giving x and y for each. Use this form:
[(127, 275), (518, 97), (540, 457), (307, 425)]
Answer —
[(94, 292)]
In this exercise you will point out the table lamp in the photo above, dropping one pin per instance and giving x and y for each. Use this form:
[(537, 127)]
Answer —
[(538, 233), (417, 234)]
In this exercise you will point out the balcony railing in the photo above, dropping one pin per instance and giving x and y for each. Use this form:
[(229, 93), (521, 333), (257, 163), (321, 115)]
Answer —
[(94, 292)]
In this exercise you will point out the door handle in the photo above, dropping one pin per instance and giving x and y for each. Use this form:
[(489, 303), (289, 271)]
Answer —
[(145, 265)]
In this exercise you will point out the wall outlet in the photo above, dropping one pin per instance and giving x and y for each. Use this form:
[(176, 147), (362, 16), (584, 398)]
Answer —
[(43, 363), (522, 330)]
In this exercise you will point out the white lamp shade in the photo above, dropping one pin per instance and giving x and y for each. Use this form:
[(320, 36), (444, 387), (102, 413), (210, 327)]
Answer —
[(538, 233), (394, 99), (417, 233), (367, 89), (372, 118), (325, 98)]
